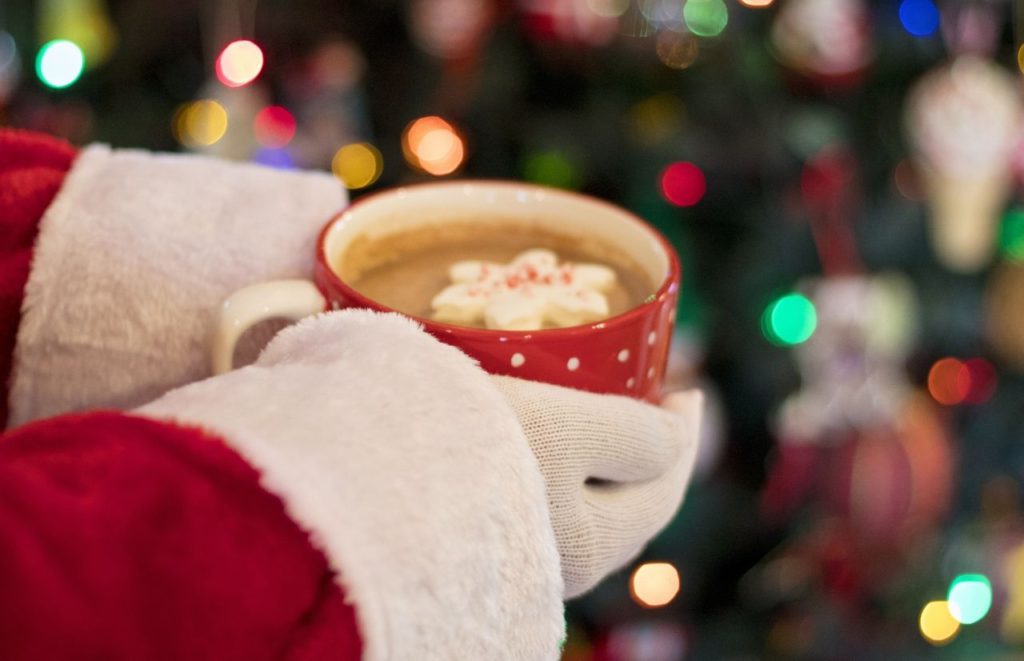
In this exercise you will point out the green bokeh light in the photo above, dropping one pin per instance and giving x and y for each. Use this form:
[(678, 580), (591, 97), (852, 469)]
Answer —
[(552, 168), (1011, 234), (789, 320), (59, 63), (970, 597), (706, 18)]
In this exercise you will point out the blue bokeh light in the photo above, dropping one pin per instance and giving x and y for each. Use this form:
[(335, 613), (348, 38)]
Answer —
[(275, 158), (919, 17)]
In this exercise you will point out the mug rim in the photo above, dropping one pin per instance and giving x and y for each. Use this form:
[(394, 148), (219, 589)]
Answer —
[(670, 283)]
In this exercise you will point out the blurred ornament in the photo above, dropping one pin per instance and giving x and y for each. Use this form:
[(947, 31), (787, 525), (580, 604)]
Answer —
[(1004, 313), (10, 66), (450, 29), (569, 21), (1011, 235), (644, 641), (84, 22), (327, 99), (964, 121), (826, 40)]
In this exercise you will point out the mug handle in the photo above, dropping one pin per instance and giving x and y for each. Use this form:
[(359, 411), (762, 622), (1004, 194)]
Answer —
[(290, 299)]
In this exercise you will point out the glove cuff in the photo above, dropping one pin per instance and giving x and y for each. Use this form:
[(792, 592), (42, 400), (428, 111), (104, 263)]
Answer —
[(425, 499), (134, 257)]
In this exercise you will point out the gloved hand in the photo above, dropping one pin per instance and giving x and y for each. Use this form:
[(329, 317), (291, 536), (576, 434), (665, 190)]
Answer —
[(615, 469), (429, 500)]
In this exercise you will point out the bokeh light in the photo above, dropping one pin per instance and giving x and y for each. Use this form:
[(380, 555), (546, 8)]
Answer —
[(1011, 234), (1020, 58), (551, 168), (59, 63), (706, 18), (357, 165), (919, 17), (789, 320), (200, 123), (8, 50), (970, 598), (949, 381), (676, 50), (938, 626), (654, 584), (274, 126), (756, 4), (683, 184), (608, 8), (982, 378), (433, 145), (275, 157), (239, 63)]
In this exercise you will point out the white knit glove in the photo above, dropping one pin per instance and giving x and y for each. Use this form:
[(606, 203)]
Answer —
[(615, 468)]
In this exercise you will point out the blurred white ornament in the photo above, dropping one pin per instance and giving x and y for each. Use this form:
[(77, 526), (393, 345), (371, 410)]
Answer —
[(449, 29), (964, 122), (823, 37)]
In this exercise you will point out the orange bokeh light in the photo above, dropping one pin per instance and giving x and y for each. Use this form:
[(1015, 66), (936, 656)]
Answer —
[(433, 145), (654, 584), (239, 63), (949, 381)]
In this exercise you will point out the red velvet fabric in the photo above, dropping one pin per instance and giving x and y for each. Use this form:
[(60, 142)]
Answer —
[(32, 169), (127, 538)]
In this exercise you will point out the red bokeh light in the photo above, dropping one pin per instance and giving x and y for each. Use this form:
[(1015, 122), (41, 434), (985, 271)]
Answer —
[(683, 184), (951, 381), (274, 127)]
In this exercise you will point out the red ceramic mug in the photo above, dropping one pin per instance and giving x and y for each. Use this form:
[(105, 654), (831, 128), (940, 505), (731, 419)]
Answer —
[(623, 355)]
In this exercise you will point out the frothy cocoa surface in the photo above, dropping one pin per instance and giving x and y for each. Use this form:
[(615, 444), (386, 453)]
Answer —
[(405, 271)]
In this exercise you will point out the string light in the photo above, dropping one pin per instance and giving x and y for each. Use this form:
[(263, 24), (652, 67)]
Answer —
[(919, 17), (200, 123), (1011, 234), (274, 126), (789, 320), (938, 626), (59, 63), (239, 63), (969, 598), (433, 145), (683, 184), (706, 18), (654, 584), (357, 165)]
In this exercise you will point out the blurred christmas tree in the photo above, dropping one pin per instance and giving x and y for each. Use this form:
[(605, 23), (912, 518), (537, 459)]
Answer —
[(840, 178)]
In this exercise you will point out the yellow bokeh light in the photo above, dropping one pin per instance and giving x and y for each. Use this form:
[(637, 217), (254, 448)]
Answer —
[(357, 165), (200, 123), (433, 145), (756, 4), (938, 626), (1020, 57), (654, 584)]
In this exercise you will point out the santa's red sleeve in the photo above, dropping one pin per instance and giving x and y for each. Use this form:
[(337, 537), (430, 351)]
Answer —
[(128, 538)]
